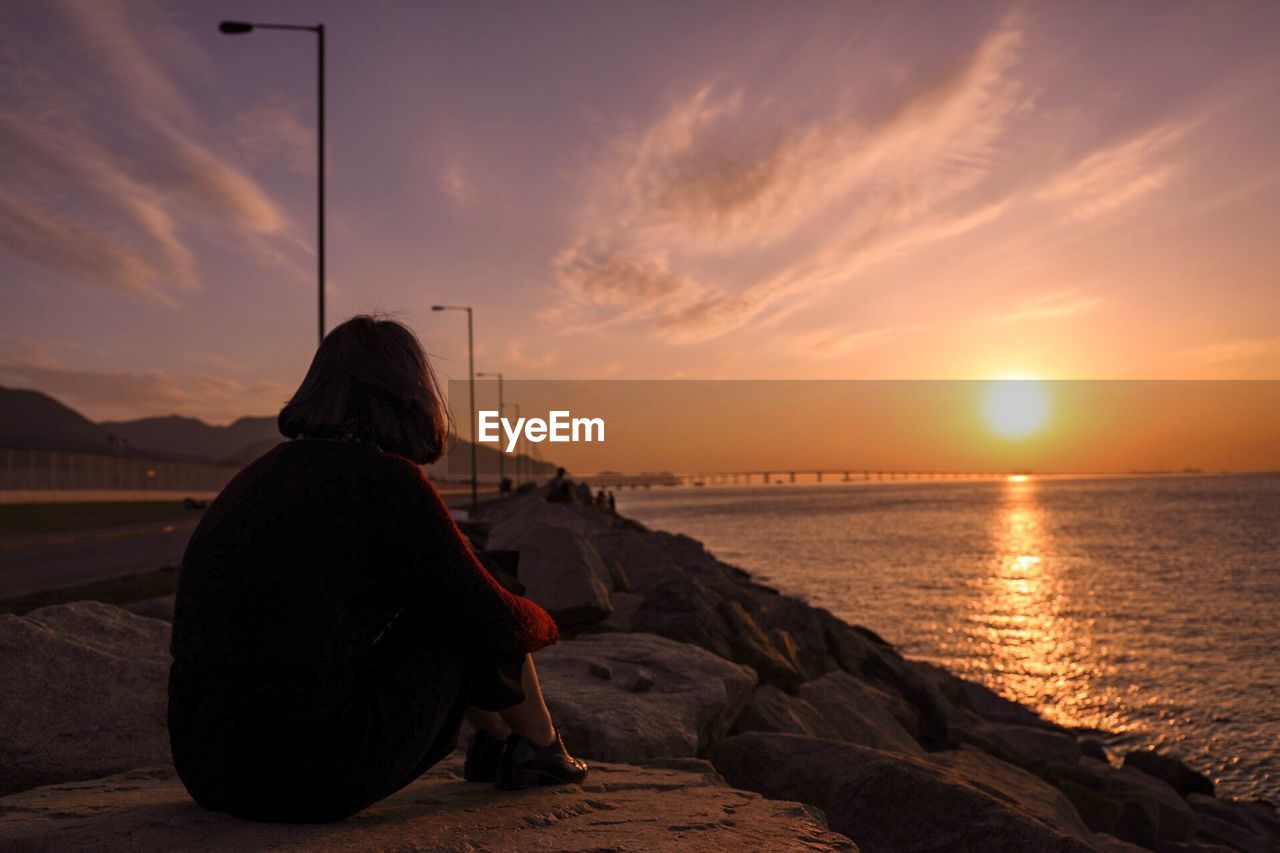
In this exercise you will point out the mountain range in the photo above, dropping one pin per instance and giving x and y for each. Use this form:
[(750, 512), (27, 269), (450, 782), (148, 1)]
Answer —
[(32, 419)]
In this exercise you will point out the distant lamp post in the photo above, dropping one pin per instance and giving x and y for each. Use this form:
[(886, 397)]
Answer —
[(471, 417), (233, 28), (519, 447), (502, 468)]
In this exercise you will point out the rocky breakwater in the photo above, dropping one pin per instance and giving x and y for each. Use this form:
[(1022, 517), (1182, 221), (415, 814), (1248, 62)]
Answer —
[(899, 755), (716, 712)]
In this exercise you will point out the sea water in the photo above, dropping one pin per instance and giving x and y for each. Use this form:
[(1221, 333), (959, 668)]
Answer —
[(1146, 607)]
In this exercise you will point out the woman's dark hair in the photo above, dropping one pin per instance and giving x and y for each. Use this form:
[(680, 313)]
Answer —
[(371, 381)]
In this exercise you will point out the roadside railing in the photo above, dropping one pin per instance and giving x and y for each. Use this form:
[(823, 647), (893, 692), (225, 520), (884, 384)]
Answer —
[(36, 470)]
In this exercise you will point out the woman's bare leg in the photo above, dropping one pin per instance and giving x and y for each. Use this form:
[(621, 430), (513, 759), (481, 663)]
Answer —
[(489, 721), (530, 719)]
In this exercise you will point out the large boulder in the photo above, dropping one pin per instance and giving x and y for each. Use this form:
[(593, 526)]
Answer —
[(1124, 802), (772, 710), (683, 805), (1169, 769), (884, 801), (633, 556), (1014, 785), (1032, 747), (559, 568), (1249, 825), (685, 609), (631, 697), (83, 693), (858, 712)]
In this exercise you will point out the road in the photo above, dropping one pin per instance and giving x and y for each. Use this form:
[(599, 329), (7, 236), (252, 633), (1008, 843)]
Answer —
[(56, 560), (51, 561)]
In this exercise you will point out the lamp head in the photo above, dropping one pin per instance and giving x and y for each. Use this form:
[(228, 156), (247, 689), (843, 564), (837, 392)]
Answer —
[(437, 307), (234, 28)]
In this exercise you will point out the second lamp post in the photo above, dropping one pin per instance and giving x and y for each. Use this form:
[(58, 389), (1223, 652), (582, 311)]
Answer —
[(471, 398)]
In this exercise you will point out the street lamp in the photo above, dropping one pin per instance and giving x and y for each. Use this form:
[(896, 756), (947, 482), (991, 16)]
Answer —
[(519, 447), (502, 468), (471, 373), (233, 28)]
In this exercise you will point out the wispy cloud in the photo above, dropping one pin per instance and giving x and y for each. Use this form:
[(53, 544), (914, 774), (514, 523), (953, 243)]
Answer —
[(116, 395), (271, 131), (838, 341), (713, 184), (1115, 177), (1243, 358), (117, 200), (1049, 307)]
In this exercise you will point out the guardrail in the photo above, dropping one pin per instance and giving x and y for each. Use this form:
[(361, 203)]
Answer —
[(43, 470)]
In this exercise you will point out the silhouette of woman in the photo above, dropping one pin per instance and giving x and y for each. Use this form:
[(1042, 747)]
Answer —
[(333, 627)]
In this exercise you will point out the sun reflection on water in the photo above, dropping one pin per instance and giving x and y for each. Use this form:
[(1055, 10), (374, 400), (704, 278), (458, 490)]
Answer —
[(1038, 653)]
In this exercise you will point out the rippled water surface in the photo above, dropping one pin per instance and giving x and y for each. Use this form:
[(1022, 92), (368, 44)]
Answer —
[(1147, 607)]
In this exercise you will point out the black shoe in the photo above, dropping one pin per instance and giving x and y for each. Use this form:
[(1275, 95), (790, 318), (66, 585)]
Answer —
[(483, 756), (525, 765)]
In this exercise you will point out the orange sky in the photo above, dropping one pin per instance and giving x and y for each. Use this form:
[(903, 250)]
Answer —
[(659, 190), (1088, 426)]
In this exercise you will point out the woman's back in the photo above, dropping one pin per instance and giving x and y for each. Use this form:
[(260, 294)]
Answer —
[(289, 566)]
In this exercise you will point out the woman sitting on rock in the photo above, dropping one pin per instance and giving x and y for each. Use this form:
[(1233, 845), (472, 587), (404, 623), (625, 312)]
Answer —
[(332, 626)]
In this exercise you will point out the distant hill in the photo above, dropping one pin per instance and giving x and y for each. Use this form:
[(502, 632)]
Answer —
[(193, 437), (31, 419), (34, 420)]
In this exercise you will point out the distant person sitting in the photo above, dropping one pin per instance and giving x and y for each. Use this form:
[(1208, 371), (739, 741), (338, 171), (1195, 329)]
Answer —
[(505, 486), (333, 628), (601, 502), (613, 503), (559, 490)]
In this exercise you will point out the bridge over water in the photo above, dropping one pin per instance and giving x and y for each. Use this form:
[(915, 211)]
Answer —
[(782, 475)]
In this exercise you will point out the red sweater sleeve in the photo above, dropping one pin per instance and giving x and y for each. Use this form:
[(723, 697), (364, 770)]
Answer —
[(436, 566)]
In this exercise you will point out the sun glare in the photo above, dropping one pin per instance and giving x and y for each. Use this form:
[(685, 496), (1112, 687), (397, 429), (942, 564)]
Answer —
[(1015, 408)]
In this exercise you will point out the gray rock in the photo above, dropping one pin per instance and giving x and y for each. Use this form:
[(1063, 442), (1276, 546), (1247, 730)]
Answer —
[(884, 801), (1169, 769), (160, 607), (635, 557), (83, 693), (688, 611), (559, 568), (625, 604), (772, 710), (1110, 844), (694, 699), (1124, 802), (618, 807), (1012, 784), (1031, 747), (983, 701), (643, 682), (1243, 824), (858, 712)]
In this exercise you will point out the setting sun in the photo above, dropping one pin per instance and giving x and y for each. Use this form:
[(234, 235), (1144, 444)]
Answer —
[(1015, 408)]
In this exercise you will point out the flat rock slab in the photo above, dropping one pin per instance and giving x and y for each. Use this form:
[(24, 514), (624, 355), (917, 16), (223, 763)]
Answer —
[(682, 806), (82, 693), (633, 697)]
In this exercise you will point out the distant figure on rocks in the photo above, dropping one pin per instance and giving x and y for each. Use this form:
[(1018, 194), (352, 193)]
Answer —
[(332, 627), (613, 503), (559, 490), (602, 502)]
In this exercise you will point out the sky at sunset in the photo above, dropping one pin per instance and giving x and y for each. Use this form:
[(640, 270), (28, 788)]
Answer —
[(639, 190)]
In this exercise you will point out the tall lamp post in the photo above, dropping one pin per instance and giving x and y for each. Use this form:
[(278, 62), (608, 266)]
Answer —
[(502, 468), (233, 28), (471, 400), (519, 448)]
